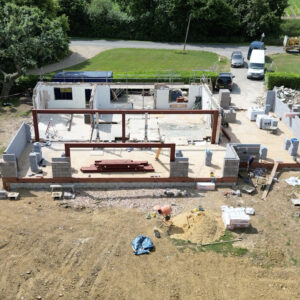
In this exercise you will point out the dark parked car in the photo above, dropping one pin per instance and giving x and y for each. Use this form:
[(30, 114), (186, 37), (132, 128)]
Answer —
[(237, 59), (224, 81), (255, 45)]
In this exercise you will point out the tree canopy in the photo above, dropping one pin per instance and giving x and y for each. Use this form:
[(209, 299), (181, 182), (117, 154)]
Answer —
[(166, 20), (28, 39)]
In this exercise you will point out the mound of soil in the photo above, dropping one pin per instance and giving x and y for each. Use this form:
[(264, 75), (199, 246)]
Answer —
[(200, 228)]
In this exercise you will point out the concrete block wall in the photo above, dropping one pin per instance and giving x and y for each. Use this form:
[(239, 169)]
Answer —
[(245, 150), (179, 168), (280, 109), (231, 163), (61, 167), (17, 145), (8, 168), (269, 103), (236, 153)]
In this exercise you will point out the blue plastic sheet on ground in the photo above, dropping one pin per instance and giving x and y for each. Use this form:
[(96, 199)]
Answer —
[(142, 245)]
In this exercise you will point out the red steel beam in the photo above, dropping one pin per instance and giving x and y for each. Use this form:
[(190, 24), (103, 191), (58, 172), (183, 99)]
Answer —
[(215, 114), (68, 146), (114, 179), (214, 127), (123, 127), (130, 111), (35, 125)]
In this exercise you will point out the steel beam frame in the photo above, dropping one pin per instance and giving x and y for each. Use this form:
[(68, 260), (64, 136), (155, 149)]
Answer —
[(172, 147), (214, 113)]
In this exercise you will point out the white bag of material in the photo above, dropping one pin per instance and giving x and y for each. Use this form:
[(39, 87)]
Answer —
[(206, 186)]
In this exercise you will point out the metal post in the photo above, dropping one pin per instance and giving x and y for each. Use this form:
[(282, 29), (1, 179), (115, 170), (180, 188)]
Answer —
[(187, 32), (36, 125), (214, 127), (123, 127)]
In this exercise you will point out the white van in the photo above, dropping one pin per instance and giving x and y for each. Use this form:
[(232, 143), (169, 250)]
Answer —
[(256, 68)]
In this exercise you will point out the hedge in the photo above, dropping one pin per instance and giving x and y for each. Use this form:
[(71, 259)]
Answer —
[(185, 77), (290, 80)]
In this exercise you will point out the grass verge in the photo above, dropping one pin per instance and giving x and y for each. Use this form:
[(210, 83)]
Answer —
[(286, 62), (224, 248)]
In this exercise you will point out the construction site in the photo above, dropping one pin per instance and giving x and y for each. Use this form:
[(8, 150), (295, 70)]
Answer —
[(174, 162)]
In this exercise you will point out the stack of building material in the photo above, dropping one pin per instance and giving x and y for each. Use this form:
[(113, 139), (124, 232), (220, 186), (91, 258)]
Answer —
[(224, 98), (208, 157), (235, 217), (3, 194), (118, 165), (253, 112), (293, 149), (229, 115)]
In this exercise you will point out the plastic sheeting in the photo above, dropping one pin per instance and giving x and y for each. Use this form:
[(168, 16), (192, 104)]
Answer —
[(293, 181), (142, 245)]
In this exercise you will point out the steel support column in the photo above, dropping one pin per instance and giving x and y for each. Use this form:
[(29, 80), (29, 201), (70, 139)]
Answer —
[(214, 127), (123, 127), (35, 125)]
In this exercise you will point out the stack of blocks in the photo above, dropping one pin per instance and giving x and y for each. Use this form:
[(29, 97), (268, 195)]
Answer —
[(8, 168), (61, 167), (224, 98), (179, 168)]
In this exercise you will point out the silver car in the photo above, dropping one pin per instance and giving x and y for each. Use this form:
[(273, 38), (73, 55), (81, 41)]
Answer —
[(237, 59)]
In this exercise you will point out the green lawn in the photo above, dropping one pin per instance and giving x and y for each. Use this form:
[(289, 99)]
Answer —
[(145, 61), (287, 62), (293, 9)]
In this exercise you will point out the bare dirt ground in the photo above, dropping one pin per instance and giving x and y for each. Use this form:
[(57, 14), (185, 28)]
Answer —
[(11, 118), (82, 250)]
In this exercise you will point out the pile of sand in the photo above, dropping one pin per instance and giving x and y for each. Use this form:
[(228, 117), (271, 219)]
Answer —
[(202, 227)]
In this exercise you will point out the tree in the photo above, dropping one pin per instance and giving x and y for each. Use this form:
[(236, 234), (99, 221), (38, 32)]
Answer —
[(256, 16), (106, 17), (28, 39), (76, 11)]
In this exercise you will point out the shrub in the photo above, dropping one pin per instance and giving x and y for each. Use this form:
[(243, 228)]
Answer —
[(185, 77), (290, 80)]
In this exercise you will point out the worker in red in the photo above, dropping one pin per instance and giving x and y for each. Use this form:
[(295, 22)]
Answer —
[(165, 211)]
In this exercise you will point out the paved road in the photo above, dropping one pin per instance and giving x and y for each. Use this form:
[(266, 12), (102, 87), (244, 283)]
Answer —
[(222, 49)]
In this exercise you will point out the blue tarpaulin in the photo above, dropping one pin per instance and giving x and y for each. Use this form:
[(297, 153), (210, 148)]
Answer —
[(142, 245), (83, 76)]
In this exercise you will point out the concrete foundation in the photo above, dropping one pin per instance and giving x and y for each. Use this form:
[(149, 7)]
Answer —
[(61, 167)]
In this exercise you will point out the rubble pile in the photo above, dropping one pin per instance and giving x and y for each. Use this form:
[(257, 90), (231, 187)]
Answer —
[(289, 96)]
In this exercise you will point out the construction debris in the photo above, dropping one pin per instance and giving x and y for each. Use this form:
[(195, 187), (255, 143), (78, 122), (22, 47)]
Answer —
[(293, 181), (289, 96)]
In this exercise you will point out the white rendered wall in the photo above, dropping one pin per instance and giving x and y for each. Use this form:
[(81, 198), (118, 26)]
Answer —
[(194, 91), (162, 98), (102, 97), (44, 97)]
